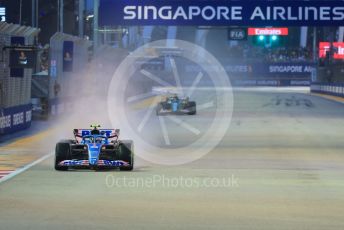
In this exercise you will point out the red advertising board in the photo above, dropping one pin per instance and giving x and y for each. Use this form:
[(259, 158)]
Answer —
[(338, 49), (268, 31), (324, 47)]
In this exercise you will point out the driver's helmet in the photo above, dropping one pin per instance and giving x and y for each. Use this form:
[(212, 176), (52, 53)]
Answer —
[(95, 131), (175, 97)]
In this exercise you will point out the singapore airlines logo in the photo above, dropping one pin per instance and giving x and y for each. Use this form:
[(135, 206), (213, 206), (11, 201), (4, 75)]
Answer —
[(233, 13)]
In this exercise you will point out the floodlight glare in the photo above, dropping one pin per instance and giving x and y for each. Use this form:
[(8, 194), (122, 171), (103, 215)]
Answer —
[(261, 38)]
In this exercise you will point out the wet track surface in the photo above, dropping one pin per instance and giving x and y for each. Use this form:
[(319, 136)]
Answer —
[(279, 166)]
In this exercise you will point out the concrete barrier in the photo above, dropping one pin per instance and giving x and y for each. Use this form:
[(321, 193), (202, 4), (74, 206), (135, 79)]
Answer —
[(334, 89)]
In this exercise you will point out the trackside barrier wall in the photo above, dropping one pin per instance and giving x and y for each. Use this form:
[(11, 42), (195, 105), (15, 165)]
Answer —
[(335, 89), (15, 92), (261, 73), (66, 79)]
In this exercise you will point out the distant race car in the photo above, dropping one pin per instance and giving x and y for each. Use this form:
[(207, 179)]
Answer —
[(175, 105), (95, 149)]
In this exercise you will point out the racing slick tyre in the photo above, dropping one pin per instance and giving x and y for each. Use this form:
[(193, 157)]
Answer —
[(62, 152), (126, 153), (159, 107), (192, 108)]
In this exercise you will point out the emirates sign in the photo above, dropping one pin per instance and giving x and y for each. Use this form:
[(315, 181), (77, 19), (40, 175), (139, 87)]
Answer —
[(268, 31)]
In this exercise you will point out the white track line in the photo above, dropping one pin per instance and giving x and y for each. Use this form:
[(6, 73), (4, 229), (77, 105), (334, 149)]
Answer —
[(164, 130), (23, 169)]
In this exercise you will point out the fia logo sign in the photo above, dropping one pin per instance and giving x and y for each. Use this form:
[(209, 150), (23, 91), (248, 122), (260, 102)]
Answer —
[(237, 34)]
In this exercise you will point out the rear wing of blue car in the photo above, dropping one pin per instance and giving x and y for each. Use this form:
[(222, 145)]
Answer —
[(110, 133)]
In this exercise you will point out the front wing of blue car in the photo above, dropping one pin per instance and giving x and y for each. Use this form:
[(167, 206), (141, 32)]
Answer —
[(100, 163)]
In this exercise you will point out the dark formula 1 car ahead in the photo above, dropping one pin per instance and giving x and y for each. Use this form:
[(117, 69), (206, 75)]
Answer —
[(175, 105), (95, 149)]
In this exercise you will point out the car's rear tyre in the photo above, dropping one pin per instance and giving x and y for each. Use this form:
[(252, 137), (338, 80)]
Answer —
[(126, 153), (62, 152), (192, 108)]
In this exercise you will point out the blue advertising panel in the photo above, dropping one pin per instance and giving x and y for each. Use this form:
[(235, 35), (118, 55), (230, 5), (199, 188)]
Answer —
[(15, 118), (261, 68), (53, 68), (284, 68), (263, 73), (221, 12), (271, 82), (68, 52), (17, 72)]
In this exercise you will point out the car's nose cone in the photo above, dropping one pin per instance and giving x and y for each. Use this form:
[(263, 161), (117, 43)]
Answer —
[(93, 161), (93, 154)]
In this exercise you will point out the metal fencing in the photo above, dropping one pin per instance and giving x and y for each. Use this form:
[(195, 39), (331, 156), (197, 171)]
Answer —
[(15, 91)]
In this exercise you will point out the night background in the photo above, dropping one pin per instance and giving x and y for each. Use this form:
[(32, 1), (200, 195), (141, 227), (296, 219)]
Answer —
[(179, 117), (47, 16)]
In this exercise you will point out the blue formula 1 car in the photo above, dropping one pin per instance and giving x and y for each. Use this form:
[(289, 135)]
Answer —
[(177, 106), (95, 149)]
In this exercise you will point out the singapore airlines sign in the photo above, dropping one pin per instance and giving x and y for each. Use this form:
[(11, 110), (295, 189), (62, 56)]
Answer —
[(221, 12)]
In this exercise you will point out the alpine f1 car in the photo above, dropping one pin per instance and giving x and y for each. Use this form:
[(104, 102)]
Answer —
[(95, 149), (175, 105)]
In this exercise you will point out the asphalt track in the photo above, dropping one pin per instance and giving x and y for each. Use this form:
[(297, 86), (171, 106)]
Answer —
[(283, 153)]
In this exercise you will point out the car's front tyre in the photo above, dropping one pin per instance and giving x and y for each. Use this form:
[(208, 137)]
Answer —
[(192, 108), (126, 153), (62, 152)]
